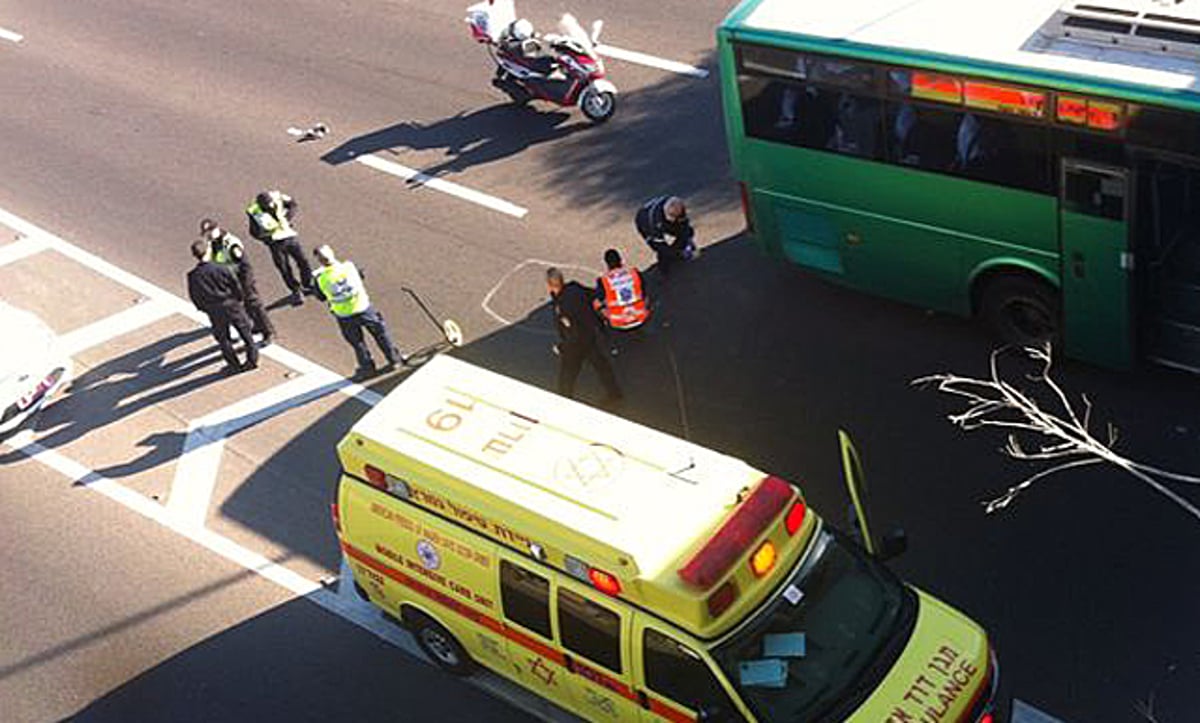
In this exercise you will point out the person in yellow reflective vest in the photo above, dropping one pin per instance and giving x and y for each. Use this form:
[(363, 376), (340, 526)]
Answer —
[(271, 218), (227, 250), (341, 285)]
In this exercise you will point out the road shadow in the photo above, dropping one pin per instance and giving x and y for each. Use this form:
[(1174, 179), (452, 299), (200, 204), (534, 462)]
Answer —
[(470, 138), (127, 384), (261, 669), (758, 360), (666, 137)]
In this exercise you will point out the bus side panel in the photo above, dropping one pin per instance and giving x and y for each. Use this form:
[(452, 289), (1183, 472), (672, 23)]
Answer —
[(404, 556), (893, 231)]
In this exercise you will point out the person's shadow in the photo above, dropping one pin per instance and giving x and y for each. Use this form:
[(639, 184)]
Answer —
[(469, 139)]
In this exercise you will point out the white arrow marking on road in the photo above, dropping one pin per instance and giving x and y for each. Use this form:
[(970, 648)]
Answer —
[(10, 35), (633, 56), (437, 184), (199, 465)]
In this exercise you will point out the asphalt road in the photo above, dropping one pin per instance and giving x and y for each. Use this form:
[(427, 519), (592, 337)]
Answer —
[(125, 123)]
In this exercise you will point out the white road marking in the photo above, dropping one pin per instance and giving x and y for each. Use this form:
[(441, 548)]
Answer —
[(437, 184), (199, 465), (10, 35), (176, 304), (633, 56), (1022, 712), (487, 299), (294, 131), (111, 327), (319, 381), (20, 249)]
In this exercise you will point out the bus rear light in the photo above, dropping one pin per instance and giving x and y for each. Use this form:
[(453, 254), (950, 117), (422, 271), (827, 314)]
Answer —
[(763, 559), (746, 210), (795, 518), (738, 532), (720, 600), (604, 582)]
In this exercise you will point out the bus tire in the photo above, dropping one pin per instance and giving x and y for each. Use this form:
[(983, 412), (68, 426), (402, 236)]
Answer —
[(440, 645), (1020, 310)]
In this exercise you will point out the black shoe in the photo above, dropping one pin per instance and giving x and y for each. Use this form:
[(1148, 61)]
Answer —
[(249, 366), (231, 369), (612, 401), (296, 298), (362, 373), (267, 340)]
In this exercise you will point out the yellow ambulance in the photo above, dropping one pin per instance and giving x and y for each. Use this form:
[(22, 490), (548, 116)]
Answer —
[(627, 575)]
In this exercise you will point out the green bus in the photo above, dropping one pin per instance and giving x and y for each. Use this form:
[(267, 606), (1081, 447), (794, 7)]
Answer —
[(1033, 163)]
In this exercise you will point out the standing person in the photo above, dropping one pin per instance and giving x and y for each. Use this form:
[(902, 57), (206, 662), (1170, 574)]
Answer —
[(215, 291), (577, 324), (270, 217), (664, 216), (620, 297), (341, 285), (227, 250)]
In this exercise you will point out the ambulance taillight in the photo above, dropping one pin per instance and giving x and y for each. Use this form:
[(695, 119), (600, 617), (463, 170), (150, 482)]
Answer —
[(733, 539), (337, 517), (381, 480), (795, 518), (604, 582)]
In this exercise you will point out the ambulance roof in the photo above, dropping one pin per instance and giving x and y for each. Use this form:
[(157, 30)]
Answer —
[(576, 471), (1138, 42)]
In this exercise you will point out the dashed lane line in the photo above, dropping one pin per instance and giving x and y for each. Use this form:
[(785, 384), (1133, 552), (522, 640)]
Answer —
[(633, 56), (11, 36), (437, 184)]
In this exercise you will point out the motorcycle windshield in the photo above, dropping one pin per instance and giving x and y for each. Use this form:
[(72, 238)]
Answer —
[(570, 28)]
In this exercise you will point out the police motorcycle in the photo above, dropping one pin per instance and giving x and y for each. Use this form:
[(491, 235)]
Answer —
[(562, 68)]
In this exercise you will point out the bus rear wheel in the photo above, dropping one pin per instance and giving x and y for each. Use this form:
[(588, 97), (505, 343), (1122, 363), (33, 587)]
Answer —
[(441, 646), (1020, 310)]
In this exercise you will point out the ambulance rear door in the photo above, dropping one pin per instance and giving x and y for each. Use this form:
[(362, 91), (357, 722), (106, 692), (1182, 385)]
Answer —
[(593, 631)]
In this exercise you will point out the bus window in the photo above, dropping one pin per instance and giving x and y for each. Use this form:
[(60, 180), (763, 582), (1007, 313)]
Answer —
[(923, 137), (526, 598), (591, 630), (675, 672)]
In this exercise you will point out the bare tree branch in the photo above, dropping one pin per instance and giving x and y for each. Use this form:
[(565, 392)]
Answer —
[(1058, 433)]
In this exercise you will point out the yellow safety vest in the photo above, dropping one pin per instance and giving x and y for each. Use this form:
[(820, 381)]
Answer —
[(224, 255), (273, 220), (343, 288)]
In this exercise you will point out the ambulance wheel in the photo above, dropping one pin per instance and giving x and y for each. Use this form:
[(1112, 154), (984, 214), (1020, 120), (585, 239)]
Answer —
[(441, 646)]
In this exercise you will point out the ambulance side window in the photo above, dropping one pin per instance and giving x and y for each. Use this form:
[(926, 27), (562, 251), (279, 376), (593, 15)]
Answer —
[(675, 672), (590, 630), (526, 598)]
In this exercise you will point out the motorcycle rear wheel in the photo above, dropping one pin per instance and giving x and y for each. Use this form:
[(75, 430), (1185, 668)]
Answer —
[(598, 106)]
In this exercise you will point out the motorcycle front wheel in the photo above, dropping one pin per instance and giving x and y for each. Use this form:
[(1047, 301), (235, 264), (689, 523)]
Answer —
[(598, 106)]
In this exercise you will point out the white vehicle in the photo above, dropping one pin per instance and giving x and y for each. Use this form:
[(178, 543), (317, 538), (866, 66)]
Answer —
[(32, 368)]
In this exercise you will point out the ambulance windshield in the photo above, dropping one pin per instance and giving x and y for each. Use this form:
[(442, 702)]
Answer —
[(831, 634)]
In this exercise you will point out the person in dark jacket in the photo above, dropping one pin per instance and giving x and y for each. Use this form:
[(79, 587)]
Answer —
[(215, 291), (228, 250), (577, 326), (664, 216), (270, 217)]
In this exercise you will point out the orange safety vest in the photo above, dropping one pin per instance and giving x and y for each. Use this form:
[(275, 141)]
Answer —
[(624, 302)]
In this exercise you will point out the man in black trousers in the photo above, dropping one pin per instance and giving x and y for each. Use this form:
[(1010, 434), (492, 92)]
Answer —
[(577, 326), (215, 291)]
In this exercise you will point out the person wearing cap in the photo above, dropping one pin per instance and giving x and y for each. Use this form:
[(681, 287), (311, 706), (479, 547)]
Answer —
[(341, 285), (271, 217), (227, 250), (664, 216), (620, 296), (214, 290)]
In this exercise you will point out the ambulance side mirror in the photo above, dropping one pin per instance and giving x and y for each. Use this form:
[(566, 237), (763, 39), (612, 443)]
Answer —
[(893, 544)]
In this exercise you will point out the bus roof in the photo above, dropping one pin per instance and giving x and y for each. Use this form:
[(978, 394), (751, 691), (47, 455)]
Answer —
[(560, 473), (1133, 42)]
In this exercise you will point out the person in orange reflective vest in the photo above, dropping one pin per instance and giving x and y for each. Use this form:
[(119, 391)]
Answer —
[(620, 296)]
